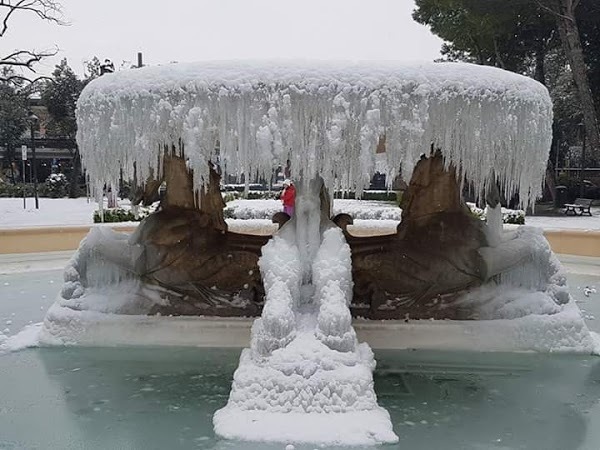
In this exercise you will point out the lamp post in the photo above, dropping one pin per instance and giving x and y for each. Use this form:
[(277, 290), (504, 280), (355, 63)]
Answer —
[(33, 121)]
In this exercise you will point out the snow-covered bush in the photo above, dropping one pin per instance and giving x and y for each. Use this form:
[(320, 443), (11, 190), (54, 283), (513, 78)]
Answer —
[(56, 186), (252, 195), (123, 214), (230, 196), (382, 196), (511, 216), (16, 190)]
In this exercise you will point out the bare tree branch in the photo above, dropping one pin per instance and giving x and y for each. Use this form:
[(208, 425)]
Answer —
[(552, 11), (19, 78), (25, 58), (48, 10)]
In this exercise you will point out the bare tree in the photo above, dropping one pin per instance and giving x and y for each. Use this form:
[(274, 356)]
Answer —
[(564, 12), (47, 10)]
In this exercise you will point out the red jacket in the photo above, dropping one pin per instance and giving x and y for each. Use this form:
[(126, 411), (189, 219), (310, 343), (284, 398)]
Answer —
[(288, 196)]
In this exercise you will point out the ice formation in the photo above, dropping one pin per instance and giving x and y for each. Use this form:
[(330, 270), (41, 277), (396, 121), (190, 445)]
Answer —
[(327, 118), (305, 378)]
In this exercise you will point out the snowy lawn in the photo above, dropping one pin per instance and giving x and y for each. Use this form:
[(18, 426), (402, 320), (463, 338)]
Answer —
[(52, 212), (370, 215)]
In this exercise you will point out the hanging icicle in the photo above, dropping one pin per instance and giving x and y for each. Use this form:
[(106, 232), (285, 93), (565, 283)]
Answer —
[(326, 118)]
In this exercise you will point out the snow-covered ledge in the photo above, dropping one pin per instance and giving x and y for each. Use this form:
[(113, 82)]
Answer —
[(563, 332)]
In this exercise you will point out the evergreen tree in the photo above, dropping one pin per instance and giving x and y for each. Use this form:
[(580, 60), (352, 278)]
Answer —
[(526, 36), (92, 69), (60, 97), (13, 116)]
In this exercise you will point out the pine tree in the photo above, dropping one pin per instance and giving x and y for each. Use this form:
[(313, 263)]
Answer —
[(13, 116), (60, 97), (523, 36)]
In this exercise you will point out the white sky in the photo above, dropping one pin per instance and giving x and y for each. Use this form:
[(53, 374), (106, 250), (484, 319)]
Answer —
[(193, 30)]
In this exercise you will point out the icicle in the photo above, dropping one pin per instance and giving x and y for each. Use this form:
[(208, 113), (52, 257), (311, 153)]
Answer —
[(326, 118)]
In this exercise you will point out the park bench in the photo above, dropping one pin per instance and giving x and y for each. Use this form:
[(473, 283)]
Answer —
[(580, 206)]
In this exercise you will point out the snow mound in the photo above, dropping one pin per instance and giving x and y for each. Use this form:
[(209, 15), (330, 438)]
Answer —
[(98, 278), (563, 332), (326, 117), (28, 337), (303, 395)]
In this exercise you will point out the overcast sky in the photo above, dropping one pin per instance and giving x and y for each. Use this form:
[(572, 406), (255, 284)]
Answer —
[(193, 30)]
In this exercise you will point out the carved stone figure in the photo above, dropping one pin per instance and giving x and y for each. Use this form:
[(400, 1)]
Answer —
[(432, 257), (186, 249)]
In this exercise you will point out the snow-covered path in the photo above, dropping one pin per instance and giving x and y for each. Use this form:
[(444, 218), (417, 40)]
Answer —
[(370, 215)]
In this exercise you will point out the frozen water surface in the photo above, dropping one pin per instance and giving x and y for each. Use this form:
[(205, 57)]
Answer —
[(157, 398), (25, 297)]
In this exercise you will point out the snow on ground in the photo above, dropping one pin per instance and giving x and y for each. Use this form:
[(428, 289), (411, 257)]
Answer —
[(367, 210), (566, 222), (358, 209), (52, 212), (369, 215)]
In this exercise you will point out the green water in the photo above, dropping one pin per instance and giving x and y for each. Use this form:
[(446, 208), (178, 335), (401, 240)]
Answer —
[(164, 398)]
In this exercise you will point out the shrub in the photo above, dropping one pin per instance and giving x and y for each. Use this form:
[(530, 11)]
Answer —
[(252, 195), (123, 215), (230, 196), (56, 186), (16, 190), (383, 196), (115, 215), (512, 216), (515, 217)]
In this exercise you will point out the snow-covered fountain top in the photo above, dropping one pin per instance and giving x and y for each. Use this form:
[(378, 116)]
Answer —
[(327, 118)]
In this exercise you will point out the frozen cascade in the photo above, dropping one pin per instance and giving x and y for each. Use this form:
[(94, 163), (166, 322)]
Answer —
[(327, 118), (305, 378), (495, 225)]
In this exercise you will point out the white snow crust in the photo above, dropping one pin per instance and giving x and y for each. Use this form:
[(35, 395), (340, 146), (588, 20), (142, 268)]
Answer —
[(326, 117), (29, 336), (305, 378)]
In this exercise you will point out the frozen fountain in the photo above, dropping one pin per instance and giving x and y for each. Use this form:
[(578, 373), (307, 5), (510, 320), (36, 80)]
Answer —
[(305, 376)]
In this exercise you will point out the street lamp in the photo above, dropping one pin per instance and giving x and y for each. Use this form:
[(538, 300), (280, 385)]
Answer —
[(33, 122)]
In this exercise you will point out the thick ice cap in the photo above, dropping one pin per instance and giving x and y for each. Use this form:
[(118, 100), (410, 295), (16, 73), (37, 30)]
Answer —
[(325, 117)]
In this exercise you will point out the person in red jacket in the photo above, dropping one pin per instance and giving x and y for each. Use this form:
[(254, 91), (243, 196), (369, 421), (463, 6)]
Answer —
[(288, 197)]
